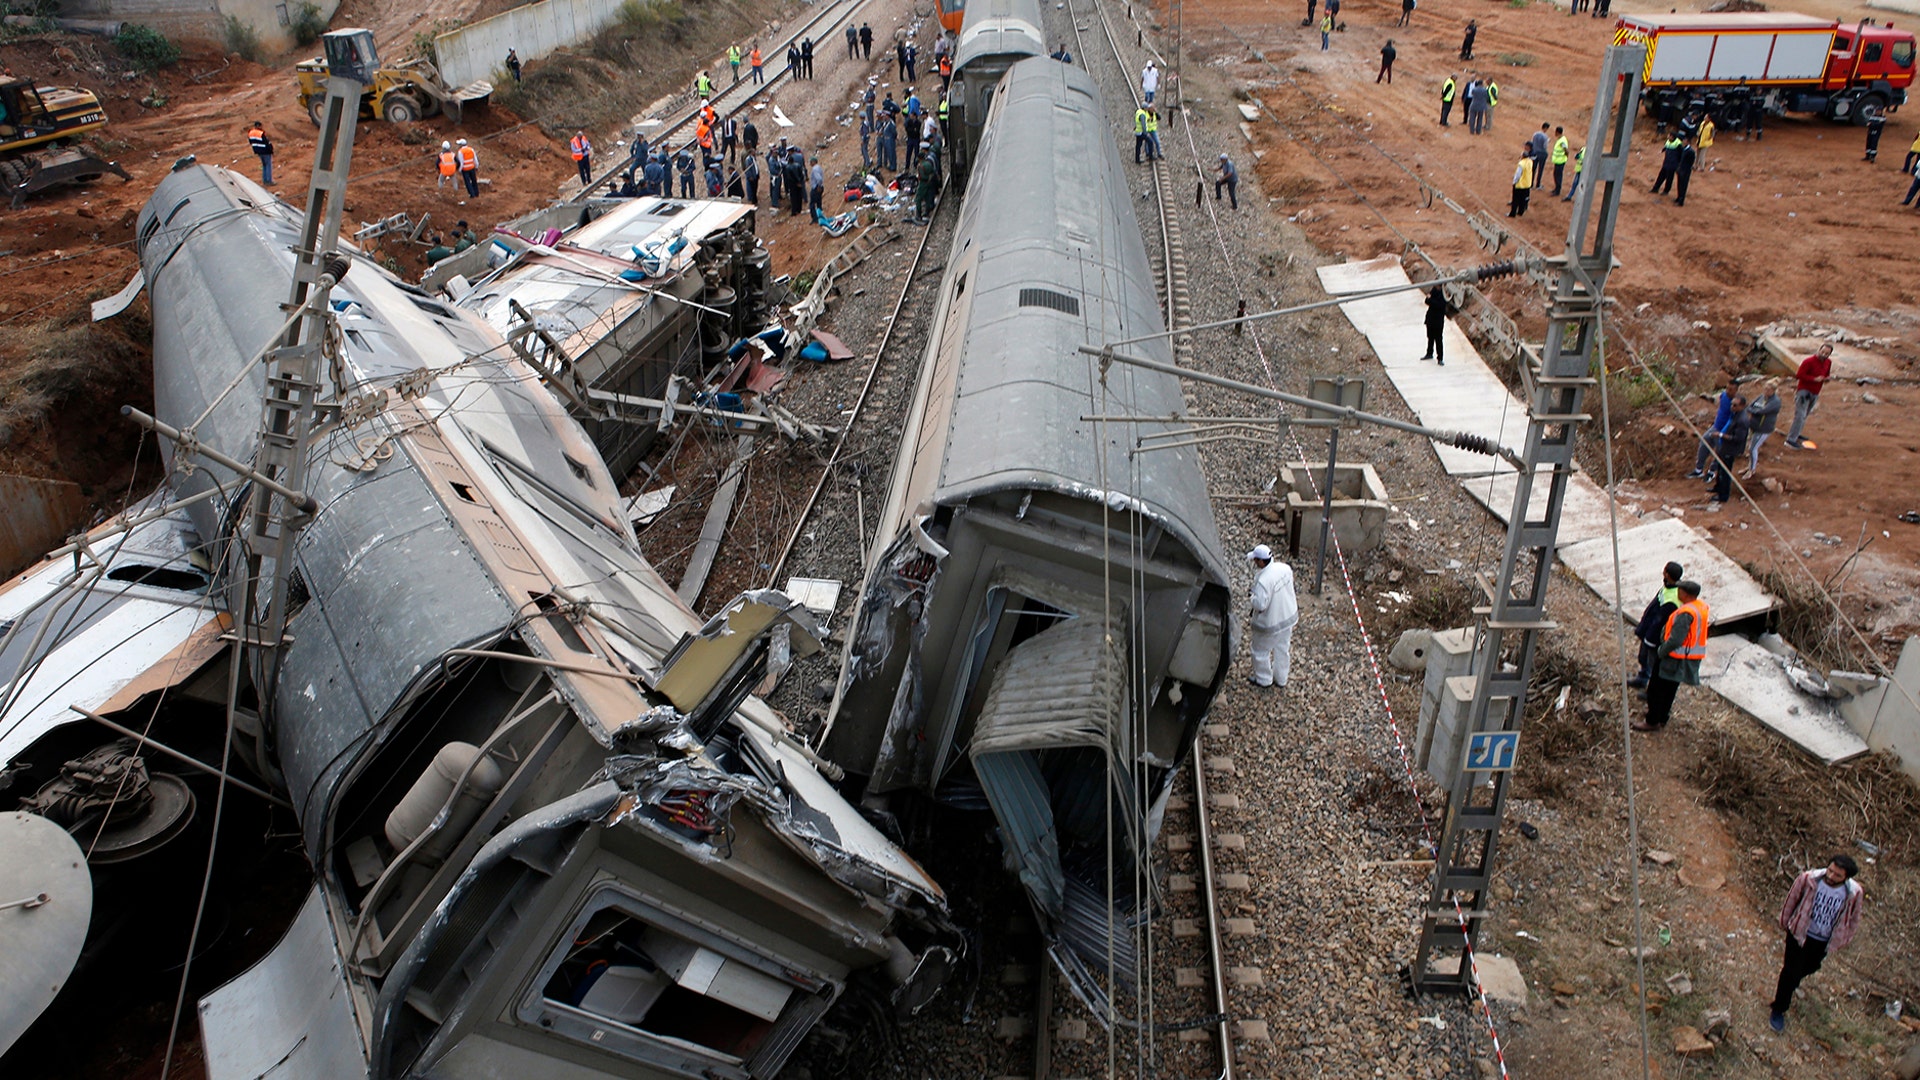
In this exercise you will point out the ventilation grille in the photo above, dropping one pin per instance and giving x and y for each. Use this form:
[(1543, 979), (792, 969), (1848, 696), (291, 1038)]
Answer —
[(1047, 298)]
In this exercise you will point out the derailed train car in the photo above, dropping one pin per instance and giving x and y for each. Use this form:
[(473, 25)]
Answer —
[(552, 832), (997, 35), (1046, 618)]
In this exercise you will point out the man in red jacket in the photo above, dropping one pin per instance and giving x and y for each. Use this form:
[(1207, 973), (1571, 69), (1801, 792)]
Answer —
[(1814, 372), (1820, 916)]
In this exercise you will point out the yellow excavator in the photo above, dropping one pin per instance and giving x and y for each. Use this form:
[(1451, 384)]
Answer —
[(400, 93), (38, 125)]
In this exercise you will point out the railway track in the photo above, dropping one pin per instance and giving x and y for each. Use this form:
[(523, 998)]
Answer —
[(732, 100), (1193, 951), (863, 441)]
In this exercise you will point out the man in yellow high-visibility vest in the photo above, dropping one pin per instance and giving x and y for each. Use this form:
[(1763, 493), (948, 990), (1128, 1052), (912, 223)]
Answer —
[(1558, 156), (1681, 650)]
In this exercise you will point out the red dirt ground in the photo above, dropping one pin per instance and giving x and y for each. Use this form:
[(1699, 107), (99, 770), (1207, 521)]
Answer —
[(1795, 226)]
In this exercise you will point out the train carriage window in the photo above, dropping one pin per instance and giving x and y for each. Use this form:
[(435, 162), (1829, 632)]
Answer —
[(1870, 54), (631, 983)]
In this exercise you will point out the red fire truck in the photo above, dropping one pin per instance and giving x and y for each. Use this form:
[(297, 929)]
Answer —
[(1729, 63)]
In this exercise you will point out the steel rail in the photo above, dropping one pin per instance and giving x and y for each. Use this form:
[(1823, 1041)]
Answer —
[(859, 403), (1209, 886)]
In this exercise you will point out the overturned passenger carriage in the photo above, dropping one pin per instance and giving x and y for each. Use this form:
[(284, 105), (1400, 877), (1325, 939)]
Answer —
[(552, 831), (1046, 618)]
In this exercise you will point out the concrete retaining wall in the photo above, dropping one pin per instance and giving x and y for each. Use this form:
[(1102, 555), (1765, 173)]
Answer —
[(206, 19), (475, 50)]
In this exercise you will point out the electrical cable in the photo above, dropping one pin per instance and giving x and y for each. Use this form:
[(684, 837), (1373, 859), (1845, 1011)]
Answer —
[(1626, 716)]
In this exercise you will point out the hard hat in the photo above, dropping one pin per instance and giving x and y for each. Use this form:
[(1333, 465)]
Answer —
[(446, 146), (463, 142)]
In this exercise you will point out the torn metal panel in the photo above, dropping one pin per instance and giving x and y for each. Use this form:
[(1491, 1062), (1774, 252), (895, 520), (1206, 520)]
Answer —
[(289, 1016), (47, 891), (710, 657)]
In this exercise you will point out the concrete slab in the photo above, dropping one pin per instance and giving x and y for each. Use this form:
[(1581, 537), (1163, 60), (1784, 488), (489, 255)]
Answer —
[(1751, 677), (1464, 395), (1644, 549), (1582, 517), (1500, 977), (1849, 361)]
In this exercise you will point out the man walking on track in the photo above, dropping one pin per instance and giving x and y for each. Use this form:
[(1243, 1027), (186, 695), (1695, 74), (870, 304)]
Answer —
[(1821, 915), (754, 61), (1274, 613), (1683, 645), (1230, 178)]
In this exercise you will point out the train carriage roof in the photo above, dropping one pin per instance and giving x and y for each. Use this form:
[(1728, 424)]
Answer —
[(1049, 246), (1000, 28)]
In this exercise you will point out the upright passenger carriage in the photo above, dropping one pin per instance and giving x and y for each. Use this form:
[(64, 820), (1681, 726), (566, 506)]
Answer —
[(1046, 618), (998, 34)]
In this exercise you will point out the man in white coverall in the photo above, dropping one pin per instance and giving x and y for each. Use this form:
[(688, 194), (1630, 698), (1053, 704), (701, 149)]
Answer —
[(1274, 612)]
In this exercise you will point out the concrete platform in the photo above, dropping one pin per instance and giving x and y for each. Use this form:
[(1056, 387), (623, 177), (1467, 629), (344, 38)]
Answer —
[(1751, 677), (1582, 517), (1644, 549), (1465, 395)]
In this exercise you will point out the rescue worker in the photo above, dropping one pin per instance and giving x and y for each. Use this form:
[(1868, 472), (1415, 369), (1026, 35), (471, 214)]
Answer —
[(754, 61), (683, 164), (449, 165), (582, 155), (463, 236), (469, 168), (1875, 124), (703, 134), (923, 195), (1446, 100), (1522, 182), (1579, 164), (1669, 165), (262, 148), (1913, 155), (889, 143), (733, 61), (1683, 645), (1683, 170), (1141, 117), (946, 73), (1493, 99), (703, 86), (946, 131), (1653, 622), (1273, 613), (1558, 156)]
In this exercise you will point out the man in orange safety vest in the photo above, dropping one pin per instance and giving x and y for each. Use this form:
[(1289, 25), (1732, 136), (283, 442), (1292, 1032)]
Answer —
[(449, 165), (1682, 647), (469, 162), (582, 156)]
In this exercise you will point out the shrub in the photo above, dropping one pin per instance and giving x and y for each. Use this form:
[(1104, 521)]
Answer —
[(307, 24), (240, 37), (145, 48)]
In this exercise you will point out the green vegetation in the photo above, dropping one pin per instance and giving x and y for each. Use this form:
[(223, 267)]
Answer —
[(1637, 386), (307, 23), (240, 37), (1517, 59), (145, 48)]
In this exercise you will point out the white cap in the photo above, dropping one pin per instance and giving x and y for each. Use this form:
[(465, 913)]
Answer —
[(446, 146), (1223, 157), (1260, 553)]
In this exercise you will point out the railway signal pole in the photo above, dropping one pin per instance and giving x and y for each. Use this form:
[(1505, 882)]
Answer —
[(1556, 381)]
